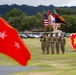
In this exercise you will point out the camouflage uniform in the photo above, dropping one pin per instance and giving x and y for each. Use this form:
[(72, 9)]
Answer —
[(47, 46), (51, 42), (57, 42), (62, 43), (43, 43)]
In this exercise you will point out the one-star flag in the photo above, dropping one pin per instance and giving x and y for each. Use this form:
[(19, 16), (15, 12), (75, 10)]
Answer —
[(12, 45)]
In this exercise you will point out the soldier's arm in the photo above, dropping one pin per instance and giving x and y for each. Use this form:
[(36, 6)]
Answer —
[(40, 39), (64, 41), (48, 39)]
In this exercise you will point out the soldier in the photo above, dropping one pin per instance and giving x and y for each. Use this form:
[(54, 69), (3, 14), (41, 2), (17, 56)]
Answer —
[(43, 42), (50, 39), (57, 41), (62, 43), (47, 45)]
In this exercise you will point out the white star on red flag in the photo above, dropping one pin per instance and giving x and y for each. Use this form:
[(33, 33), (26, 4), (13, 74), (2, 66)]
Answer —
[(2, 35), (12, 45), (17, 45)]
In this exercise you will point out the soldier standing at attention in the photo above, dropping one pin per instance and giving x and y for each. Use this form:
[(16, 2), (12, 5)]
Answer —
[(51, 39), (43, 42), (62, 43), (57, 42), (47, 45)]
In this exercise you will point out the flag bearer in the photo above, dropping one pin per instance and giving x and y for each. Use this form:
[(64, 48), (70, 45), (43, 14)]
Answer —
[(43, 42)]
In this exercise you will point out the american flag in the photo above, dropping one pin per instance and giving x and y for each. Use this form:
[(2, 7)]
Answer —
[(46, 23)]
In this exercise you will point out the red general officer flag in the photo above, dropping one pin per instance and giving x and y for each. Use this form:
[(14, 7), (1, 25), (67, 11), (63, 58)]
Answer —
[(12, 45)]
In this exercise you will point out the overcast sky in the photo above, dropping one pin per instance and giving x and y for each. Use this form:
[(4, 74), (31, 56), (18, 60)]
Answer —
[(40, 2)]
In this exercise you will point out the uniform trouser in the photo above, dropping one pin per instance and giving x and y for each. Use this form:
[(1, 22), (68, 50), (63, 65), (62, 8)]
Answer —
[(47, 48), (57, 48), (62, 48), (43, 48), (52, 47)]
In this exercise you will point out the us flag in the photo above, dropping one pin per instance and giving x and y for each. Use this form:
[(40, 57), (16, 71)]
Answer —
[(46, 22)]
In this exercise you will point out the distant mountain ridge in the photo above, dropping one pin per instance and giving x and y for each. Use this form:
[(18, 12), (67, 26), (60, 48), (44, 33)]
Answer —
[(30, 10)]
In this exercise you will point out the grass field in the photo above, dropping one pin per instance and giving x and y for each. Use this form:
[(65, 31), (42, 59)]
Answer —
[(52, 64)]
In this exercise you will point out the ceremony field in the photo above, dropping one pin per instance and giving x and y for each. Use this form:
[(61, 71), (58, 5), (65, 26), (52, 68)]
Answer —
[(51, 64)]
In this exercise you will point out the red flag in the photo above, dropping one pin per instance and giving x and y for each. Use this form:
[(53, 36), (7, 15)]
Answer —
[(12, 45), (73, 40), (58, 19)]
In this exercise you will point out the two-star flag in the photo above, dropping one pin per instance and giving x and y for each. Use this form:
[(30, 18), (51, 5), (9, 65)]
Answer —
[(12, 45)]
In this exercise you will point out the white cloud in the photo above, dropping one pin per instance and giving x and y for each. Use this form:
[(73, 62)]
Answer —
[(39, 2), (71, 3)]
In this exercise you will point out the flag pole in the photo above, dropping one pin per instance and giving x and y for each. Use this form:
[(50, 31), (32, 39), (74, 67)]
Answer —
[(45, 29), (44, 25)]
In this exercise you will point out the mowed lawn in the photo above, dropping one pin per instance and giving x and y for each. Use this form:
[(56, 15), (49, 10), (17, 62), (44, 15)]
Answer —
[(51, 64)]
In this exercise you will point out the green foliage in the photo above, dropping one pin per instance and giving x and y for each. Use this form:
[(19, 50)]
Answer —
[(71, 21), (65, 11), (21, 21), (14, 13)]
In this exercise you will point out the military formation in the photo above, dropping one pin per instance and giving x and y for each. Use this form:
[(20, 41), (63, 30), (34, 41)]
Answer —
[(52, 44)]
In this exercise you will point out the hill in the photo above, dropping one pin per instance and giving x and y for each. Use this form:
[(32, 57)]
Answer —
[(30, 10)]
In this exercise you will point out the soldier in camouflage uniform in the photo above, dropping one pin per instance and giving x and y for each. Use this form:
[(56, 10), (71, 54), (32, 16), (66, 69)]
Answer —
[(43, 42), (51, 41), (57, 43), (47, 45), (62, 43)]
